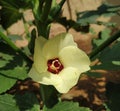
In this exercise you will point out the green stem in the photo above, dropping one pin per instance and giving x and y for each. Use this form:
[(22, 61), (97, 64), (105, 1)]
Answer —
[(13, 46), (46, 10), (42, 92), (36, 9), (41, 19), (105, 44), (49, 95), (56, 11), (43, 30), (41, 2), (25, 26)]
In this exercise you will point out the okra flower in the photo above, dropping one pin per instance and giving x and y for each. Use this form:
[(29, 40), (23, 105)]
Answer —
[(58, 62)]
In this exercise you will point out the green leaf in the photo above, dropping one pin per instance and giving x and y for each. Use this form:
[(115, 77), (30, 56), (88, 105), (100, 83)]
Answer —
[(93, 74), (25, 102), (72, 24), (12, 67), (4, 58), (105, 34), (15, 37), (56, 9), (37, 8), (110, 58), (32, 41), (67, 106), (7, 103), (111, 53), (106, 107), (1, 29), (48, 92), (112, 65), (113, 95), (12, 11), (3, 63), (9, 77)]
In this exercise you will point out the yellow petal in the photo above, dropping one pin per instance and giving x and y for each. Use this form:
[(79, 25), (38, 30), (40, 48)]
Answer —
[(46, 78), (54, 45), (74, 60), (73, 57), (63, 82), (68, 78), (39, 59), (67, 41)]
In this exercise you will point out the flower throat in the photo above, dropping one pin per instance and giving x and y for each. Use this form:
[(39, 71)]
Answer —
[(54, 65)]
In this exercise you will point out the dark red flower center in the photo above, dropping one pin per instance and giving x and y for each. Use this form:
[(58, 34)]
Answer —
[(54, 65)]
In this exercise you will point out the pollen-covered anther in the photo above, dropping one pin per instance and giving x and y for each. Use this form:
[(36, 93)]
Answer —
[(54, 65)]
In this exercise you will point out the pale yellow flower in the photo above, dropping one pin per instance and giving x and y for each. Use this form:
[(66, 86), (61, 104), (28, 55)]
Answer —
[(58, 62)]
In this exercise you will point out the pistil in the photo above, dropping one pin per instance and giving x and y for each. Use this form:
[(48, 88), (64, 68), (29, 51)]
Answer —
[(54, 65)]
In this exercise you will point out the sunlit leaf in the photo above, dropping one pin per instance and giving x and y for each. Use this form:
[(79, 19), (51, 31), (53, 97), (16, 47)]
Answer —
[(9, 77), (106, 107), (3, 63), (67, 106), (25, 102), (4, 59), (8, 102), (12, 68)]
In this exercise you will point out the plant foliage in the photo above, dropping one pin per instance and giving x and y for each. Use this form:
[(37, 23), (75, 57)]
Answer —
[(16, 62)]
